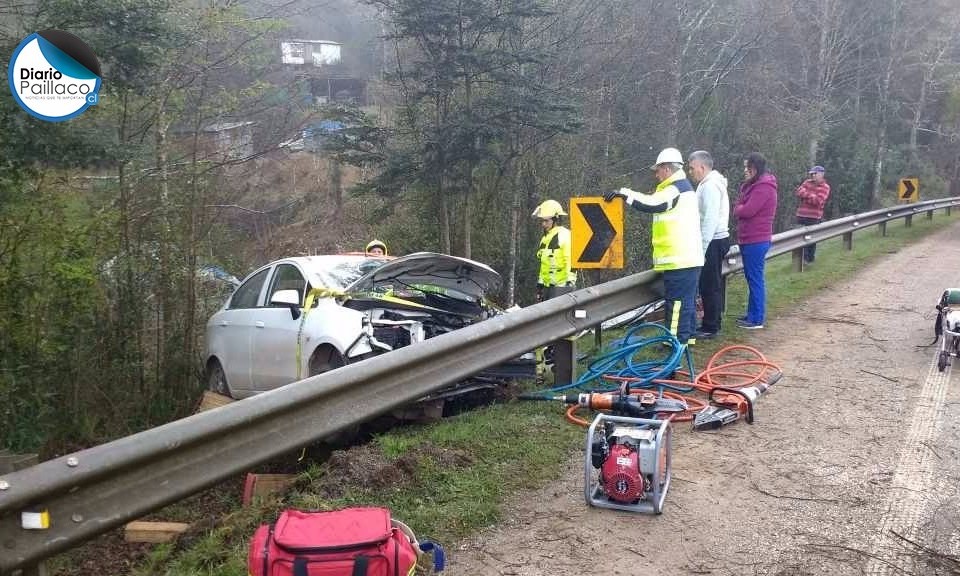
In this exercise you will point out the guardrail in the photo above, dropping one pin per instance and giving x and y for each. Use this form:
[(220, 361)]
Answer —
[(93, 491), (794, 240)]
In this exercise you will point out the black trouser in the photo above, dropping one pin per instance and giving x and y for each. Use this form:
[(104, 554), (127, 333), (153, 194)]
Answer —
[(711, 284), (809, 251), (554, 291)]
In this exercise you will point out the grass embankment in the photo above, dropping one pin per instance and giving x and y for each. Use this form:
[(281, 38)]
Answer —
[(451, 478)]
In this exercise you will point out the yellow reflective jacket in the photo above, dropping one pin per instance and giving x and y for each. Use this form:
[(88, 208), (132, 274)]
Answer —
[(555, 259), (675, 233)]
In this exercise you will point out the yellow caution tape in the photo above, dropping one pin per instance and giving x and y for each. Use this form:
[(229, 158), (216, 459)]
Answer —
[(307, 307)]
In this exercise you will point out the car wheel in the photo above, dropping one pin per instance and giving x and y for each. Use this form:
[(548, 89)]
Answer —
[(325, 359), (217, 379)]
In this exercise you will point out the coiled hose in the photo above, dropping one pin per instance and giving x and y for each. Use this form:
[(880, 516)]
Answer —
[(648, 358)]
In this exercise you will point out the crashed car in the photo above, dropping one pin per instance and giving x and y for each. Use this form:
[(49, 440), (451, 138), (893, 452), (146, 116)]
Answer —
[(303, 316)]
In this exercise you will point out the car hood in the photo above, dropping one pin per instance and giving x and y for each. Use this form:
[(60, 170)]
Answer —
[(428, 268)]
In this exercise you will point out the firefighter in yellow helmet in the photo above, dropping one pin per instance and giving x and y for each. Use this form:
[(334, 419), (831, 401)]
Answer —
[(375, 248), (555, 276)]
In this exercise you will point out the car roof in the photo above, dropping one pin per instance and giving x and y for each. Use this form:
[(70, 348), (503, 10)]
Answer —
[(317, 268)]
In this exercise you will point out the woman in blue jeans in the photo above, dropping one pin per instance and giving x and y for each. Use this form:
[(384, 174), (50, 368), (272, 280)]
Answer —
[(754, 210)]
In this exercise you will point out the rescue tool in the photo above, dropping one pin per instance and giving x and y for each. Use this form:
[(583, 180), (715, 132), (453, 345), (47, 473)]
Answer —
[(645, 405), (728, 408)]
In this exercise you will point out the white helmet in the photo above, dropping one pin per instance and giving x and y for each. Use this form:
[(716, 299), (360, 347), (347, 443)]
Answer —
[(668, 156)]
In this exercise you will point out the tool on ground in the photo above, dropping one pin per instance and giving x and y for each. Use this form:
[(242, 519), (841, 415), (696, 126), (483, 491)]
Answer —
[(642, 405), (947, 327), (713, 417), (734, 403), (627, 463)]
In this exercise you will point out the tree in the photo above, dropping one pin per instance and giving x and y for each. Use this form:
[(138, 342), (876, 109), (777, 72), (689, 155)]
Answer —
[(460, 76)]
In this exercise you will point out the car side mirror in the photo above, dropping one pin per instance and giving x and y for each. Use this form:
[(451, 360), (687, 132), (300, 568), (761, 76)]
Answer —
[(289, 298)]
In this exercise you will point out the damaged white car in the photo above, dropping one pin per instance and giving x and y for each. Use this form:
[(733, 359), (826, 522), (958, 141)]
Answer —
[(302, 316)]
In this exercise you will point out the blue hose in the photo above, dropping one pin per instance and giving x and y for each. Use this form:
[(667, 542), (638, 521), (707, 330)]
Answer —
[(622, 358)]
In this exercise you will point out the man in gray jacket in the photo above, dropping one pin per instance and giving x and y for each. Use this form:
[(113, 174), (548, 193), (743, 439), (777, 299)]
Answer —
[(714, 223)]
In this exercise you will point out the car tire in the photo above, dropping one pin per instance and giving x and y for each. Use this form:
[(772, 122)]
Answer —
[(217, 379), (324, 359)]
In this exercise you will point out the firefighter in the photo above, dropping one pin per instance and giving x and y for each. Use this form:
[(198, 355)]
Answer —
[(677, 247), (555, 276), (375, 248)]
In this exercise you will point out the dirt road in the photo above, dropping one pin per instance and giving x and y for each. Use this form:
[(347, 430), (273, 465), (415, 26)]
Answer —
[(853, 455)]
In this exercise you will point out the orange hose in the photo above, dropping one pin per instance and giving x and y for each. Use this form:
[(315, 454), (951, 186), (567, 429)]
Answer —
[(728, 374)]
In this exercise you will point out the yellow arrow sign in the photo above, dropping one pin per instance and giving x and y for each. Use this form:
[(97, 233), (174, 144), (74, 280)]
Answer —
[(596, 228), (908, 190)]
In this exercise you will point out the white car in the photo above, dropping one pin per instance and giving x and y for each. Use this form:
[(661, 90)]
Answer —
[(264, 336)]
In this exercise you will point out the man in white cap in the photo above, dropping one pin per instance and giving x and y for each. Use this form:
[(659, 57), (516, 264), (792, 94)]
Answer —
[(677, 247)]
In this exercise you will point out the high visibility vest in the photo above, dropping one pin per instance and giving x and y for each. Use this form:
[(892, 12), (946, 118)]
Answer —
[(554, 256), (676, 232)]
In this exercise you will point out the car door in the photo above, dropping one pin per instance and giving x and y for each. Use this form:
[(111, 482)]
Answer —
[(275, 332), (233, 331)]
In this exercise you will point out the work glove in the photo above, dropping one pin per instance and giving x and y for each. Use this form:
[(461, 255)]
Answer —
[(613, 195), (540, 292)]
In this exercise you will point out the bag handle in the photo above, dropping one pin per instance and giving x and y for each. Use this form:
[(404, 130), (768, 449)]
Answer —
[(424, 546), (436, 550), (360, 565)]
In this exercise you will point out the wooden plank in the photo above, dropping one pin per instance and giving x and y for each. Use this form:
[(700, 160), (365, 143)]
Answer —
[(10, 462), (213, 400), (153, 532), (262, 485)]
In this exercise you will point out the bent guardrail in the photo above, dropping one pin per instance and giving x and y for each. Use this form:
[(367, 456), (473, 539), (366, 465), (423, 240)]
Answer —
[(93, 491)]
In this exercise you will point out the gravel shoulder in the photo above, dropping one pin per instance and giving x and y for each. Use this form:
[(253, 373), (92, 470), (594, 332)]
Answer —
[(851, 464)]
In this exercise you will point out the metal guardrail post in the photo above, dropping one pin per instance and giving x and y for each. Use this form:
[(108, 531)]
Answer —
[(929, 214), (564, 361), (848, 240), (798, 259), (723, 294), (948, 210), (908, 221), (883, 228)]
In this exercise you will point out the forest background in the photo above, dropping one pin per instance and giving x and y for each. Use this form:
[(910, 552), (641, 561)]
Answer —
[(114, 224)]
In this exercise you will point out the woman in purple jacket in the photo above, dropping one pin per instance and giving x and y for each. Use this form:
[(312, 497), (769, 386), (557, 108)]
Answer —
[(754, 211)]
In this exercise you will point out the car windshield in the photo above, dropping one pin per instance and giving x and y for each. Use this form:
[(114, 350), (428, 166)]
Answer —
[(342, 271)]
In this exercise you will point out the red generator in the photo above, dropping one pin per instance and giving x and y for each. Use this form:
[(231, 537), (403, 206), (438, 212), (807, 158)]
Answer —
[(627, 463)]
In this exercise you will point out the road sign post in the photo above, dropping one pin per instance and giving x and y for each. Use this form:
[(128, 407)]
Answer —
[(908, 190)]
